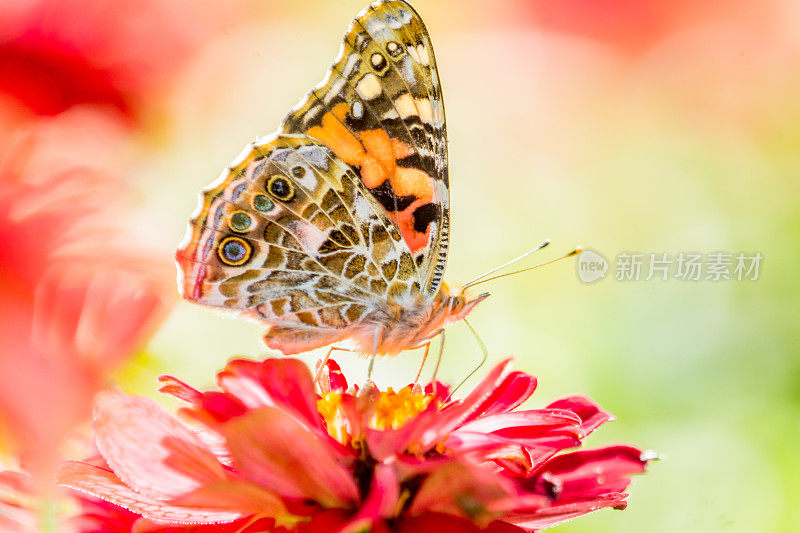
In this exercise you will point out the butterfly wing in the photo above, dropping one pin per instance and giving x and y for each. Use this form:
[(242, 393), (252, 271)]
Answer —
[(379, 108), (290, 235)]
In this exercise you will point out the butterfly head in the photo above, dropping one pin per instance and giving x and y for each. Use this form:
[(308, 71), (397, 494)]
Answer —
[(461, 303)]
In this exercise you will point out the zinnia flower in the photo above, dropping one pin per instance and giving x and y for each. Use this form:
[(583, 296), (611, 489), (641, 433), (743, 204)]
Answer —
[(270, 447), (56, 54), (79, 297)]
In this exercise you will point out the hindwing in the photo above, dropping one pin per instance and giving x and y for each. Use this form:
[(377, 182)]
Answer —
[(290, 233)]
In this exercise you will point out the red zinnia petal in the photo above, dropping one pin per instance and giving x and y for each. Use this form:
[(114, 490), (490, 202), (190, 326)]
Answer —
[(277, 451), (138, 438)]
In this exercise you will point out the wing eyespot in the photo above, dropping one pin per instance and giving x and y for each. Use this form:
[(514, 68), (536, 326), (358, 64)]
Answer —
[(234, 251), (240, 222), (379, 63), (261, 202), (394, 49), (281, 188)]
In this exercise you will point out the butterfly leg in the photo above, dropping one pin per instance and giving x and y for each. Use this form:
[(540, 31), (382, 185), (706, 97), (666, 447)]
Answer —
[(374, 352), (427, 346), (321, 363)]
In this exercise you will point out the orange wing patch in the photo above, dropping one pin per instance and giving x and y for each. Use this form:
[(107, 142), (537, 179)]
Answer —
[(376, 155)]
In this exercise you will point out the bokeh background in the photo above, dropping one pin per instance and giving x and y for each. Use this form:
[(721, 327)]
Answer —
[(621, 125)]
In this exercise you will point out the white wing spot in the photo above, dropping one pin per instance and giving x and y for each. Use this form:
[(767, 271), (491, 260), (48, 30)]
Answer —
[(393, 22), (424, 58), (425, 109), (369, 87), (405, 105), (309, 180), (316, 155), (412, 51)]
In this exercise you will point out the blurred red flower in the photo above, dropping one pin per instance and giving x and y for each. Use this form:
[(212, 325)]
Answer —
[(78, 296), (16, 513), (632, 25), (270, 446), (55, 54)]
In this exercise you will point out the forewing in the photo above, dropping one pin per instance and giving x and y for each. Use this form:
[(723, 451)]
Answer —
[(380, 109), (289, 234)]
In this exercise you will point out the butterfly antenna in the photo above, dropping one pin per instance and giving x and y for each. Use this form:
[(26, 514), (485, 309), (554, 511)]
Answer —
[(504, 265), (574, 252), (485, 356)]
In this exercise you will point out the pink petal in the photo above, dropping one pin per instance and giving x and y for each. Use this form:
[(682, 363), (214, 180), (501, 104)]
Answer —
[(17, 518), (589, 473), (245, 498), (445, 523), (543, 432), (441, 389), (274, 449), (12, 525), (556, 514), (149, 450), (508, 395), (497, 393), (488, 384), (524, 424), (216, 444), (16, 483), (243, 525), (216, 407), (427, 428), (335, 377), (105, 485), (483, 447), (285, 383), (462, 442), (100, 516), (179, 389), (589, 412)]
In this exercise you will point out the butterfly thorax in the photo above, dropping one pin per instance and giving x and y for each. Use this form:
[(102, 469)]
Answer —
[(401, 325)]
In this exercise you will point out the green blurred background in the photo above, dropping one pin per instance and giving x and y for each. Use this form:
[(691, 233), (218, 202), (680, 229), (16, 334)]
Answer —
[(651, 126)]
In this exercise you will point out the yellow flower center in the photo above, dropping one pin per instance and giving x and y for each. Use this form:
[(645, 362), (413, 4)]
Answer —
[(388, 410), (394, 409)]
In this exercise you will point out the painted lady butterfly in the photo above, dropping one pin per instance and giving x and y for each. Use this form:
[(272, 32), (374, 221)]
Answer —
[(336, 226)]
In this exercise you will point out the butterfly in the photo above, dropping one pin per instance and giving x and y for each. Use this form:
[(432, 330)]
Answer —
[(336, 227)]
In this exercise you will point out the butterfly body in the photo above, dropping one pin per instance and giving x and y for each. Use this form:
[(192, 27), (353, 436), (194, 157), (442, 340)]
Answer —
[(336, 227), (387, 330)]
